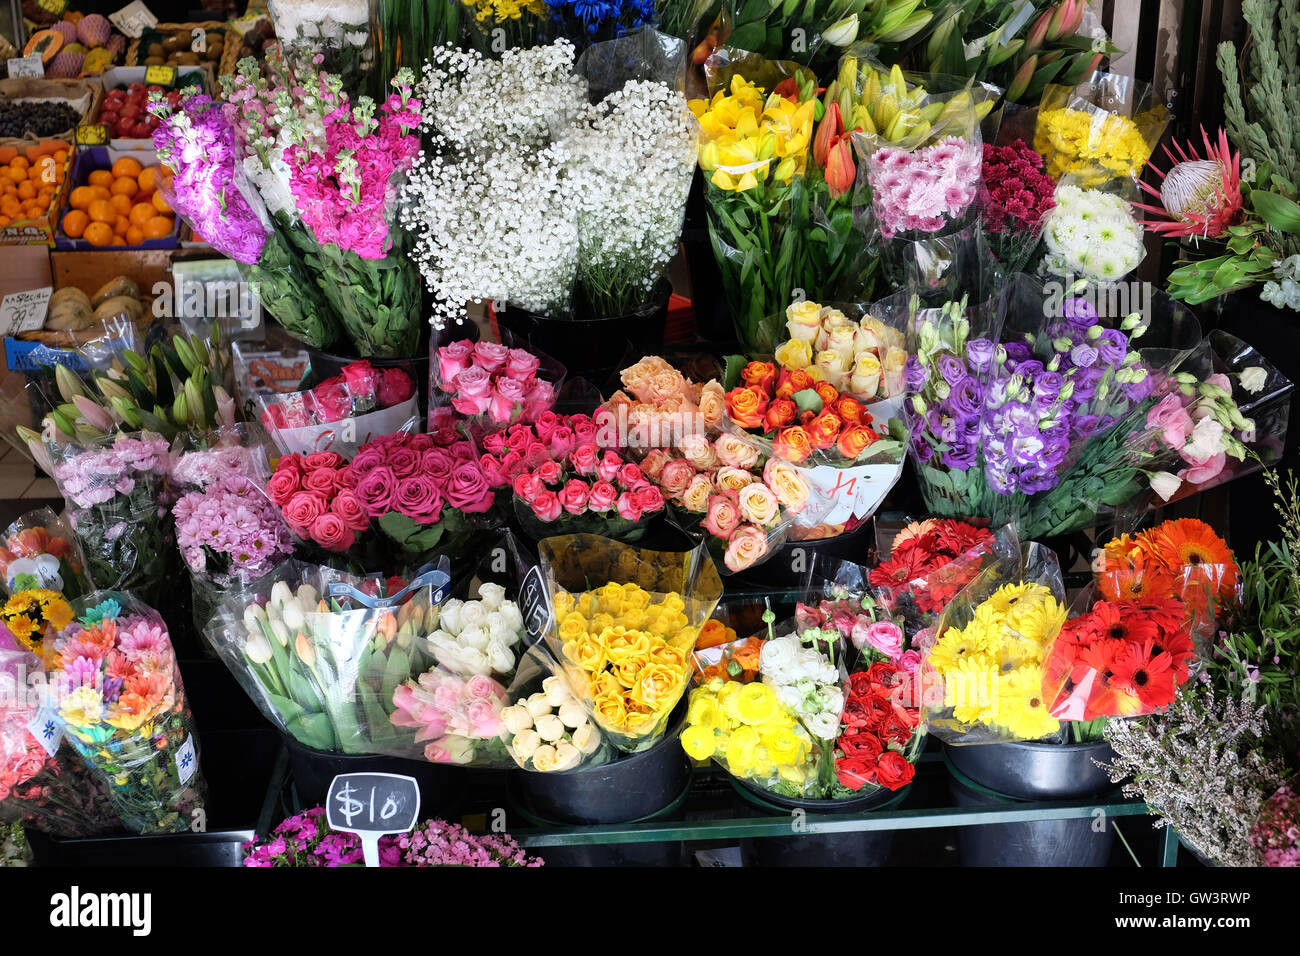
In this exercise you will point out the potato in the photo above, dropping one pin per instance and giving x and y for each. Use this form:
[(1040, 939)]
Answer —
[(155, 49)]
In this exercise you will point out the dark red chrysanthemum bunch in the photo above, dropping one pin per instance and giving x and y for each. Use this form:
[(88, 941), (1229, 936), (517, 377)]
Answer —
[(1121, 659), (1018, 192)]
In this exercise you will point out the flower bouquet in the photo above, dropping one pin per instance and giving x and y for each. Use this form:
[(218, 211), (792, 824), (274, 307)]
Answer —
[(984, 672), (341, 413), (1015, 197), (1092, 235), (322, 659), (489, 386), (337, 31), (44, 784), (400, 489), (625, 622), (548, 730), (115, 493), (120, 697), (928, 563), (40, 550), (34, 614), (1103, 129)]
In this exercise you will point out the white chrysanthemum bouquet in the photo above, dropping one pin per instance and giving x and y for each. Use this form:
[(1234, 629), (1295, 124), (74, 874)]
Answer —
[(1092, 235)]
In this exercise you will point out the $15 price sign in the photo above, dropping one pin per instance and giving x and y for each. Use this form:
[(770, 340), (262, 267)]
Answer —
[(372, 805)]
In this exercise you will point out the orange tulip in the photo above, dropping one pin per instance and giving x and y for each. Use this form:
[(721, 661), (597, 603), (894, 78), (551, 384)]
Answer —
[(840, 169)]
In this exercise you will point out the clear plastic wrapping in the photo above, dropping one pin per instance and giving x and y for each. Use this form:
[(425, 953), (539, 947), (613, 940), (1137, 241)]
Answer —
[(547, 729), (40, 550), (123, 706), (624, 623), (322, 654), (983, 676), (479, 387), (1101, 130)]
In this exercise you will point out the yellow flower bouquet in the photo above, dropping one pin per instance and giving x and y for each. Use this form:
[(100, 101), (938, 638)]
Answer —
[(1104, 129), (984, 671), (624, 624), (746, 729)]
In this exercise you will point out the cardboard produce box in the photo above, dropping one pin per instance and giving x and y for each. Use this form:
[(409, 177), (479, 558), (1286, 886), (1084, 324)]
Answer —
[(82, 95), (18, 228), (122, 77)]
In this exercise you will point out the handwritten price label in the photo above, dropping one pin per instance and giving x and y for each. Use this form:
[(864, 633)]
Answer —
[(92, 134), (133, 19), (24, 311), (534, 604), (372, 805), (164, 75), (26, 66)]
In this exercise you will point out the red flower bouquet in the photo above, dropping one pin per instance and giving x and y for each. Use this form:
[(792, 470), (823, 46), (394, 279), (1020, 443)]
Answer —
[(1015, 196), (878, 738), (929, 562), (1121, 659)]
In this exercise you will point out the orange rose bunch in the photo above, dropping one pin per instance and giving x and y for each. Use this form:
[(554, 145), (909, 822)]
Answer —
[(798, 415)]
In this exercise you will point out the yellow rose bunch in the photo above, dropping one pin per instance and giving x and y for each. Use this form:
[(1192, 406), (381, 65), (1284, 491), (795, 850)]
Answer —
[(745, 139), (992, 669), (629, 650), (749, 730), (863, 358), (1095, 147)]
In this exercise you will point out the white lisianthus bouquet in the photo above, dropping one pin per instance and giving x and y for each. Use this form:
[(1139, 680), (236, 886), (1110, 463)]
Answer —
[(549, 730), (804, 681), (1091, 234), (477, 637), (632, 157)]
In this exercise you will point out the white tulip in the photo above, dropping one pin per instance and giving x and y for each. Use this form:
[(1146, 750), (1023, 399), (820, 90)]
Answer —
[(572, 714), (258, 649), (281, 594), (281, 632), (308, 596), (525, 743), (254, 616), (293, 615)]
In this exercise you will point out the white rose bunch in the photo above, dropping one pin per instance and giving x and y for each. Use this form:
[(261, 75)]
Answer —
[(477, 637), (550, 729)]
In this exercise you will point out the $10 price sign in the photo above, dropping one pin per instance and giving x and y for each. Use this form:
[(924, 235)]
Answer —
[(372, 805)]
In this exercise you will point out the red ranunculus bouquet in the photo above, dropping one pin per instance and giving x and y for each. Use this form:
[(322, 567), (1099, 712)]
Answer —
[(878, 727)]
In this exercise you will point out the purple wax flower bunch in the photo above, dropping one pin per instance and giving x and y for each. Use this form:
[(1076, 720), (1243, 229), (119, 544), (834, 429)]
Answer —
[(197, 141)]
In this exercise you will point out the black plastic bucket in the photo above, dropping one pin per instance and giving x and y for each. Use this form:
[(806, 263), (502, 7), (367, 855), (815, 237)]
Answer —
[(1080, 842), (634, 787), (593, 348), (442, 786), (860, 848), (659, 853), (787, 566), (1025, 770)]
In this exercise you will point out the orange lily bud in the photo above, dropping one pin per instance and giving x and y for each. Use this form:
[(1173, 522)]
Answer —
[(828, 131)]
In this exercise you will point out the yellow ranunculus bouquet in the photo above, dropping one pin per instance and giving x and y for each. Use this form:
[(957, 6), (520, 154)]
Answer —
[(624, 624), (984, 672), (746, 729)]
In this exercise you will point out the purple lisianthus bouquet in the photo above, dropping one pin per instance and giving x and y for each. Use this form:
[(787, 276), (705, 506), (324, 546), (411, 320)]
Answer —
[(1040, 420), (198, 141), (116, 499)]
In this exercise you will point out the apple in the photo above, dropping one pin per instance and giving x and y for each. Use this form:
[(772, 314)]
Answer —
[(109, 118)]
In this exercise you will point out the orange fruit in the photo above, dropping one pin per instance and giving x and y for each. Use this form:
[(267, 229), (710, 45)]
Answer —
[(4, 221), (26, 190), (141, 213), (101, 210), (121, 204), (44, 171), (118, 241), (99, 192), (75, 222), (159, 227), (120, 225), (60, 156), (159, 203), (134, 236), (148, 179), (99, 234), (124, 186), (81, 197), (20, 162), (100, 177), (127, 166)]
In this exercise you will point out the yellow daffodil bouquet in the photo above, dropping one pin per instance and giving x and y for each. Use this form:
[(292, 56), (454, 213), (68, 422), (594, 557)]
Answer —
[(624, 624), (780, 174), (984, 672), (1101, 130)]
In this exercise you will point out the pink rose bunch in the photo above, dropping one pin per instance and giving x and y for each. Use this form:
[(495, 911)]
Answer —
[(857, 625), (358, 389), (330, 502), (924, 189), (457, 718), (495, 381), (720, 483)]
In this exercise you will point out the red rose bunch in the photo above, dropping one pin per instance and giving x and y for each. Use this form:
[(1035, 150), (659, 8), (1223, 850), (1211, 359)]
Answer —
[(930, 561), (1121, 659), (799, 415), (404, 482), (358, 389), (878, 723), (521, 448)]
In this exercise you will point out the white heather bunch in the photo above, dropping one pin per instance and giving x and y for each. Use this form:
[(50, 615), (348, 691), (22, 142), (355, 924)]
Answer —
[(633, 155), (1199, 766), (1091, 234)]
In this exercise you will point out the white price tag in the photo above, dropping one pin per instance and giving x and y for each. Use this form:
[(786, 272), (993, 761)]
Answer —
[(133, 19), (855, 492), (26, 66), (187, 761), (47, 728), (24, 311)]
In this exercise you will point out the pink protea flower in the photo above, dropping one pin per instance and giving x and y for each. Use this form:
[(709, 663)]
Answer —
[(1200, 197)]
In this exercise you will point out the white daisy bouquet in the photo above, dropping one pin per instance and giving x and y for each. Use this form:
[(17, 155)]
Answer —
[(1092, 235)]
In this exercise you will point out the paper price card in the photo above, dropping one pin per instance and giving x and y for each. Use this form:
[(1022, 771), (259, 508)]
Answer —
[(372, 805)]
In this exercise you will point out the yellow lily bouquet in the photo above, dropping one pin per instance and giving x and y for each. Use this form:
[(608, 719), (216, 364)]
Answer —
[(625, 644), (985, 670)]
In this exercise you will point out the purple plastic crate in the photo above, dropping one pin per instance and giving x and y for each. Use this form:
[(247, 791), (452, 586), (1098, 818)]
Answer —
[(89, 159)]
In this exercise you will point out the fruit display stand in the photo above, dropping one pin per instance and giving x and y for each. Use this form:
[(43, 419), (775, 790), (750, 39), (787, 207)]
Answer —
[(102, 174), (35, 188)]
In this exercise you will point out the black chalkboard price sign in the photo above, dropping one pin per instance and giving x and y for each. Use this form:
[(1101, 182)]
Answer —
[(372, 805), (535, 604)]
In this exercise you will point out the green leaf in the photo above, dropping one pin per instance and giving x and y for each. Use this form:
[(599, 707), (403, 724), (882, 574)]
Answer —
[(731, 375), (397, 670), (1278, 211), (808, 401)]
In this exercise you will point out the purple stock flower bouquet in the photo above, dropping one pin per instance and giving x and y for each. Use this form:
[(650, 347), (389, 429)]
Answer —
[(199, 142), (115, 493), (1040, 421)]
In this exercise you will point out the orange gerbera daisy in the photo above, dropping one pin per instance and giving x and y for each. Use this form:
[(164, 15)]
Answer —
[(1191, 551)]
